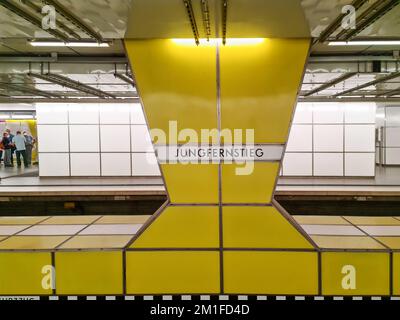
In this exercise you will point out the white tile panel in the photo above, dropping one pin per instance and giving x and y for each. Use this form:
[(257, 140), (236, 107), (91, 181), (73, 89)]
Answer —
[(84, 138), (297, 164), (328, 164), (360, 138), (53, 138), (303, 113), (144, 164), (54, 113), (141, 141), (360, 112), (300, 138), (328, 138), (115, 164), (360, 164), (328, 112), (84, 113), (115, 138), (115, 113), (85, 164), (53, 164), (137, 115)]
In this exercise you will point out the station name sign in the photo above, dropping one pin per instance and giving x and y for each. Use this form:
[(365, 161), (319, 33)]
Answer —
[(215, 154)]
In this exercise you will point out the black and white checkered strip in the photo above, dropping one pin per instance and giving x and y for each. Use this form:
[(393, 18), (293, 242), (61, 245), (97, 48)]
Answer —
[(205, 298)]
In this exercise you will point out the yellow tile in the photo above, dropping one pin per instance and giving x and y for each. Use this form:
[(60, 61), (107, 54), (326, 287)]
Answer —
[(191, 183), (96, 242), (99, 272), (177, 78), (355, 273), (262, 101), (32, 242), (259, 227), (321, 220), (256, 187), (182, 227), (343, 242), (123, 219), (396, 273), (267, 272), (23, 273), (70, 220), (173, 272), (391, 242), (20, 220), (367, 221)]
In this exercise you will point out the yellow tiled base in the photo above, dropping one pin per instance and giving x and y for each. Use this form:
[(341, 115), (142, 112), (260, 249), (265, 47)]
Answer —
[(174, 272), (355, 273), (22, 273), (93, 263), (275, 272), (87, 273)]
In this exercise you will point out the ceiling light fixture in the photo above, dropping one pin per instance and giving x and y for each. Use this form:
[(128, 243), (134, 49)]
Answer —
[(365, 43), (214, 41), (68, 44), (22, 116)]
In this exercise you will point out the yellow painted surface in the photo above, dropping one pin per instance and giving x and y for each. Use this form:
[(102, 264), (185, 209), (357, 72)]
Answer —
[(371, 273), (368, 221), (32, 242), (123, 219), (346, 242), (96, 242), (21, 273), (191, 183), (20, 220), (182, 227), (98, 272), (70, 220), (259, 227), (263, 97), (336, 220), (174, 272), (176, 83), (256, 187), (391, 242), (267, 272), (396, 273)]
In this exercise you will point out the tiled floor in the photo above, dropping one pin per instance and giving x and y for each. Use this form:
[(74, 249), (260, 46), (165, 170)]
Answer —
[(364, 233), (115, 232), (68, 232)]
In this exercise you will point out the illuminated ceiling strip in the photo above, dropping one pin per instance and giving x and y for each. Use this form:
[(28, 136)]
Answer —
[(365, 43), (68, 44)]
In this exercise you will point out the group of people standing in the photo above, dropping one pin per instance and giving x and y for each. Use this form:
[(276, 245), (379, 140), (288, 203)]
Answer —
[(21, 144)]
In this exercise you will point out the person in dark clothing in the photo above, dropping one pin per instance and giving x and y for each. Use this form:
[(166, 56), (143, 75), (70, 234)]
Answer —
[(7, 150), (11, 137)]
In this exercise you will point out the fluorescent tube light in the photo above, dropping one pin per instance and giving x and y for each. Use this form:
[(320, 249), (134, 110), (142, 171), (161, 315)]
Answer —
[(214, 41), (365, 43), (22, 116), (68, 44), (4, 116)]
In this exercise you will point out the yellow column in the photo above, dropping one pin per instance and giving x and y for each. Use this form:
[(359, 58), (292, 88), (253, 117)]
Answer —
[(220, 231)]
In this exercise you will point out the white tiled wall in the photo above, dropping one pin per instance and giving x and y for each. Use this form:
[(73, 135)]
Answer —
[(389, 127), (331, 139), (94, 140)]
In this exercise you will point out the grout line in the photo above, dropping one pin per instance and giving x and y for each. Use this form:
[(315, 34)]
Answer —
[(368, 235), (74, 235)]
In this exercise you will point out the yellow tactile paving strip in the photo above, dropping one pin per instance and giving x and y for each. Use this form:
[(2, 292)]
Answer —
[(21, 220), (321, 220)]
